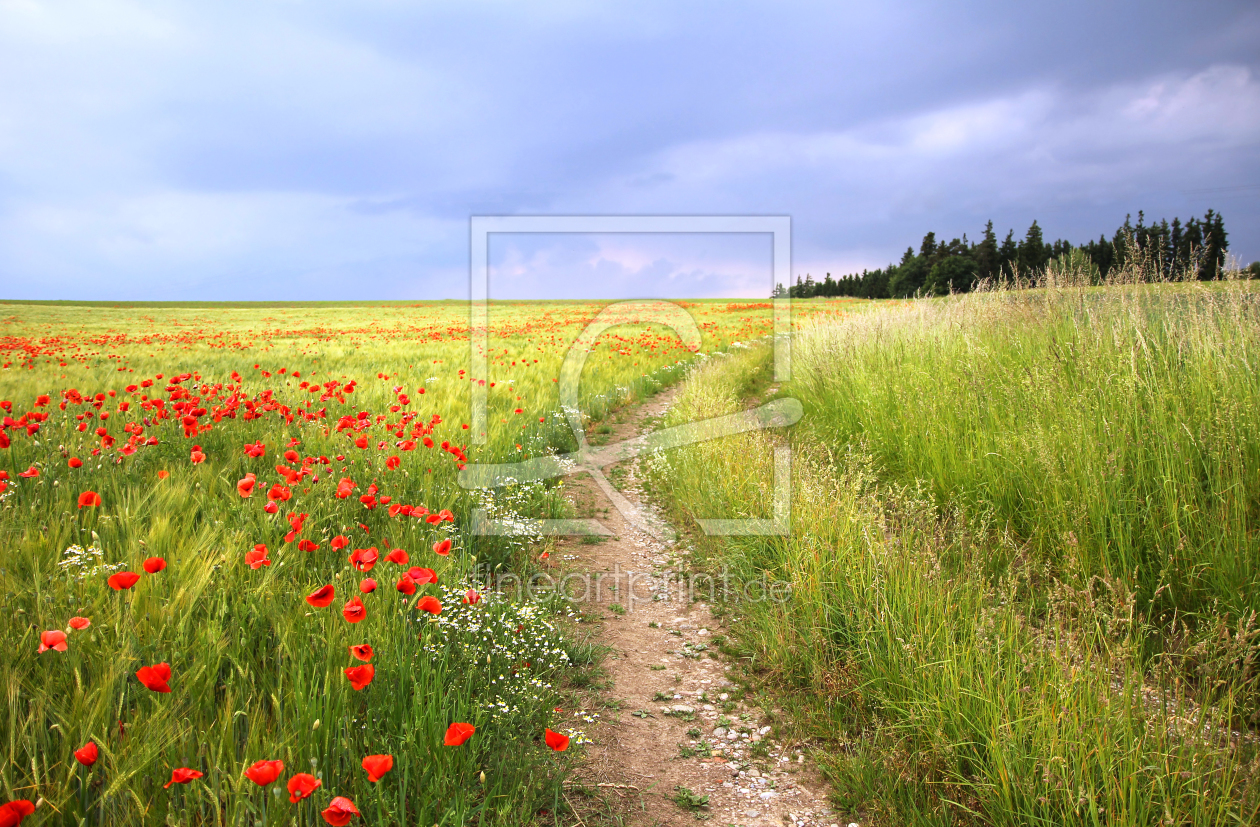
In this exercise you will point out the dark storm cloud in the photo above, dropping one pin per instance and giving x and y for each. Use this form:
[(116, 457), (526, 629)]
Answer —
[(277, 150)]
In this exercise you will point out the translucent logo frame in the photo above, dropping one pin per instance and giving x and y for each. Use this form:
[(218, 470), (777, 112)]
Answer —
[(776, 413)]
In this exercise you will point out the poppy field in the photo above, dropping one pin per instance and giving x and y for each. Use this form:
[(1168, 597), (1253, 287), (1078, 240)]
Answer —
[(238, 580)]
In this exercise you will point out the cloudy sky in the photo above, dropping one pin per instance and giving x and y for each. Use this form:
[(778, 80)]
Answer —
[(329, 150)]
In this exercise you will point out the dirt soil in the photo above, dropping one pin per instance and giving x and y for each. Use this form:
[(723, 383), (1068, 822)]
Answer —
[(674, 741)]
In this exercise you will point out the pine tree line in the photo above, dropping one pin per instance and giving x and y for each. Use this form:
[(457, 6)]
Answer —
[(1199, 247)]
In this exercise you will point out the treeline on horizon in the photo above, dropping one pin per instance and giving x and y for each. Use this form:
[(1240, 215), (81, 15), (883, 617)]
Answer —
[(1172, 251)]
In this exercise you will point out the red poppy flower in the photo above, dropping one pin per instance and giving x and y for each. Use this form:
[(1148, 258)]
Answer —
[(154, 564), (11, 814), (89, 499), (354, 610), (361, 651), (422, 576), (321, 597), (369, 501), (392, 463), (555, 740), (360, 676), (430, 604), (471, 597), (377, 766), (256, 450), (75, 462), (182, 776), (291, 456), (361, 442), (256, 558), (263, 773), (344, 488), (197, 458), (301, 786), (445, 514), (271, 508), (155, 677), (279, 492), (433, 519), (457, 734), (87, 754), (398, 556), (307, 545), (123, 580), (79, 623), (42, 400), (339, 811), (406, 585), (367, 586), (339, 542), (245, 487), (364, 559), (163, 474), (30, 473), (55, 639), (442, 547)]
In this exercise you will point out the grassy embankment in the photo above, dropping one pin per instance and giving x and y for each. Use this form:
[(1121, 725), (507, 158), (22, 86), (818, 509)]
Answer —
[(1024, 552)]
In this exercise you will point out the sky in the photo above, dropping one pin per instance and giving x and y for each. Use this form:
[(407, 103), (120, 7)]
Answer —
[(336, 150)]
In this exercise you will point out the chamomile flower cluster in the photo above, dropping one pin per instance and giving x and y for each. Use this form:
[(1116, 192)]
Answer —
[(509, 506), (79, 563), (577, 737), (508, 649)]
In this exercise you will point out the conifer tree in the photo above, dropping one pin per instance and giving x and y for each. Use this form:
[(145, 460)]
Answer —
[(1215, 245), (1032, 252), (987, 262), (1008, 253)]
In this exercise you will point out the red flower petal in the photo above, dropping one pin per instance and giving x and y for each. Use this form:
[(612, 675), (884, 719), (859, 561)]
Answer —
[(123, 580), (321, 597), (182, 776), (354, 610), (457, 734), (301, 786), (263, 773), (87, 754), (155, 677), (377, 766), (339, 812), (555, 740), (360, 676)]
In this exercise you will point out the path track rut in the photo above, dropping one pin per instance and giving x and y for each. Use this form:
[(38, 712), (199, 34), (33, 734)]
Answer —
[(669, 694)]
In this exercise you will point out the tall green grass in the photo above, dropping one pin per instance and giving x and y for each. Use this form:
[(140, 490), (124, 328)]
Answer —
[(1112, 430), (1000, 503)]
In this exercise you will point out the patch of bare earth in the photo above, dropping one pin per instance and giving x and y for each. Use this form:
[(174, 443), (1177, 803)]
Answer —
[(674, 743)]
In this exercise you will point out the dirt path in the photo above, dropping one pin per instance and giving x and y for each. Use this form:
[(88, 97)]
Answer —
[(673, 728)]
